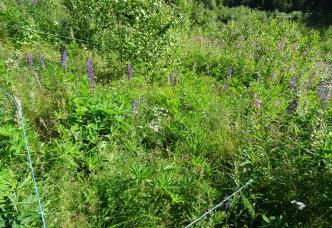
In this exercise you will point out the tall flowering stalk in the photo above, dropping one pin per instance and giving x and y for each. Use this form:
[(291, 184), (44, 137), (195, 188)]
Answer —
[(136, 106), (292, 84), (30, 60), (172, 79), (90, 72), (63, 23), (292, 107), (229, 77), (324, 91), (41, 60), (130, 71), (281, 45), (226, 204), (64, 58)]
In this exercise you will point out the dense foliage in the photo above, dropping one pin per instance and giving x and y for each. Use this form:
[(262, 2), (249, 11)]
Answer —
[(148, 114), (286, 5)]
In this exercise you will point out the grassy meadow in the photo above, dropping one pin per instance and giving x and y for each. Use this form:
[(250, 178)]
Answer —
[(148, 113)]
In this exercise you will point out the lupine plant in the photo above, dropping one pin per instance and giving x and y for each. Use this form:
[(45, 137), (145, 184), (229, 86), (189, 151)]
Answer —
[(90, 72), (41, 60), (30, 61), (172, 79), (129, 71), (64, 58)]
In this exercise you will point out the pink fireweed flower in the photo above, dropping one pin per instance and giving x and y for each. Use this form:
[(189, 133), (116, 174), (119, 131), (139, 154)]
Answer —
[(257, 103)]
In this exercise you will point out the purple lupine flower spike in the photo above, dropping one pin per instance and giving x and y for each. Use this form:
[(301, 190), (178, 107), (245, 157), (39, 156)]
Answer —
[(30, 60), (292, 107), (172, 79), (324, 91), (63, 23), (281, 45), (64, 58), (229, 73), (135, 106), (41, 60), (226, 204), (229, 77), (90, 72), (292, 84), (130, 71)]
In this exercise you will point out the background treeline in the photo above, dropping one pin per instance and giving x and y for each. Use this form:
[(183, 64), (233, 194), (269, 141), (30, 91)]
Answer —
[(285, 5)]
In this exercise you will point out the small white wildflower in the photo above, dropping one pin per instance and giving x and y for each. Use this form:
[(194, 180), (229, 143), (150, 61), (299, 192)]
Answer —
[(154, 126), (300, 205)]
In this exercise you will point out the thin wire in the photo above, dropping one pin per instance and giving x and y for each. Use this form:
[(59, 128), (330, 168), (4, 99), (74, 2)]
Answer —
[(219, 205), (20, 112), (59, 36), (52, 34), (21, 119)]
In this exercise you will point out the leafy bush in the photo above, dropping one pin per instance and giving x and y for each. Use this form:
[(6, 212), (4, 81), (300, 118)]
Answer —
[(135, 30)]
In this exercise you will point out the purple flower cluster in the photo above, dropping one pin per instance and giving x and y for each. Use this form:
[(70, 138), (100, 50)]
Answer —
[(64, 58), (90, 72), (324, 91), (129, 71), (30, 60), (226, 204), (292, 84), (293, 105)]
